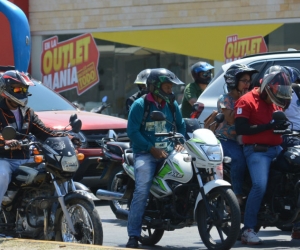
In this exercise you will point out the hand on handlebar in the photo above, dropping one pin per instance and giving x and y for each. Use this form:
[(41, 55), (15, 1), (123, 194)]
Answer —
[(179, 147), (278, 125), (158, 153), (13, 144), (75, 140)]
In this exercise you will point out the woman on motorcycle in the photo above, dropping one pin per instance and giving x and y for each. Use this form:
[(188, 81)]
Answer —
[(253, 120), (238, 80)]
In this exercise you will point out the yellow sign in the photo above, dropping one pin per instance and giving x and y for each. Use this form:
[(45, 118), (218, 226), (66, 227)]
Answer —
[(203, 42)]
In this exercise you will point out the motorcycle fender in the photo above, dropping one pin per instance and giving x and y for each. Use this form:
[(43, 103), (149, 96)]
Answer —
[(80, 194), (209, 186)]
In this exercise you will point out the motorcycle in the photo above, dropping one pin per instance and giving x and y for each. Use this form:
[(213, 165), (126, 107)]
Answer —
[(102, 107), (281, 204), (42, 201), (185, 191)]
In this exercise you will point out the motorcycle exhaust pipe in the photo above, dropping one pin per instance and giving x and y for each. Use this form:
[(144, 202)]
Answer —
[(108, 195)]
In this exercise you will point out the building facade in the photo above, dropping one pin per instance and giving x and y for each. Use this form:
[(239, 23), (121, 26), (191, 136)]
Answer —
[(111, 41)]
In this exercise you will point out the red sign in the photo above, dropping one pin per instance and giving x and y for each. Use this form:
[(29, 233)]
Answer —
[(70, 64), (236, 48)]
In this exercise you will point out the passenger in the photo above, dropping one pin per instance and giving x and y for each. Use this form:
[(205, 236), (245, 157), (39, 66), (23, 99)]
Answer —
[(253, 120), (149, 150), (238, 80), (201, 73), (141, 83)]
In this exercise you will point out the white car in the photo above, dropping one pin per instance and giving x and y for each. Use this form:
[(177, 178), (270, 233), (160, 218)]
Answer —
[(260, 62)]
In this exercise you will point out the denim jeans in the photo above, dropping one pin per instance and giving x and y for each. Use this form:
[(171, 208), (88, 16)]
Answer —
[(238, 164), (144, 170), (7, 167), (259, 166)]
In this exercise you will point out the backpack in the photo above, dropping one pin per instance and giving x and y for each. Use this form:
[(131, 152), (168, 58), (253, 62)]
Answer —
[(209, 120), (147, 110)]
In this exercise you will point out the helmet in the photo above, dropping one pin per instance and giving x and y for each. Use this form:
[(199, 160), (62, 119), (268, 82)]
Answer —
[(277, 85), (201, 67), (294, 74), (141, 78), (234, 73), (159, 76), (7, 91)]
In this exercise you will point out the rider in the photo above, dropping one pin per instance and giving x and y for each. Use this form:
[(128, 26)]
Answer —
[(149, 150), (141, 83), (201, 73), (253, 120), (14, 112), (238, 80)]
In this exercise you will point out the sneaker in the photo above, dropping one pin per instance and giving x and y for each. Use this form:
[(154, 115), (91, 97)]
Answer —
[(133, 242), (296, 233), (249, 237)]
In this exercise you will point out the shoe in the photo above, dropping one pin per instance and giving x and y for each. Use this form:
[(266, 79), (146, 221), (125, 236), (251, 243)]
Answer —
[(249, 237), (133, 242), (296, 233)]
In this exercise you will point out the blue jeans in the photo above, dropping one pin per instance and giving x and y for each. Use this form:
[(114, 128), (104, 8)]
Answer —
[(7, 167), (259, 166), (238, 164), (144, 170)]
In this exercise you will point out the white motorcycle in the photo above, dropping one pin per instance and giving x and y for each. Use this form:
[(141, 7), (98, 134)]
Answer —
[(186, 191)]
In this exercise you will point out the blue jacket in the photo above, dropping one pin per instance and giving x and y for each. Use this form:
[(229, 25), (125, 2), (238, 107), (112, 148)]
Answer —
[(142, 137)]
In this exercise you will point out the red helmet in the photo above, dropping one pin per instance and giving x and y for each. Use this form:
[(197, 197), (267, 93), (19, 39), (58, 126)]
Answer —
[(16, 94)]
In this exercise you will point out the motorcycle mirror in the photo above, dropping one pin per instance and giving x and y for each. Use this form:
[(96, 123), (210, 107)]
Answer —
[(76, 126), (219, 118), (73, 117), (9, 133), (157, 116), (279, 115), (198, 106), (104, 99)]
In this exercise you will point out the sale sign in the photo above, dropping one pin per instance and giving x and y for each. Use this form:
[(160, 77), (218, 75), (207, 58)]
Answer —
[(70, 64), (236, 48)]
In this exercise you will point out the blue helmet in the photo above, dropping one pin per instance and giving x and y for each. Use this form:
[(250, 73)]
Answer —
[(201, 67), (294, 74)]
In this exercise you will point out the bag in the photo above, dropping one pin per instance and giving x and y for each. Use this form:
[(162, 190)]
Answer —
[(209, 120)]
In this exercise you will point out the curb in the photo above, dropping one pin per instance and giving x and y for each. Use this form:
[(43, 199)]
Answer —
[(25, 244)]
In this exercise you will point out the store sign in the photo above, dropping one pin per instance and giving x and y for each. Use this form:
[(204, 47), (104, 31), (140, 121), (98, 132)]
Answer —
[(236, 48), (70, 64)]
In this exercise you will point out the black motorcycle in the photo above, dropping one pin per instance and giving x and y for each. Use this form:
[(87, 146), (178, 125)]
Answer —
[(281, 204), (42, 201)]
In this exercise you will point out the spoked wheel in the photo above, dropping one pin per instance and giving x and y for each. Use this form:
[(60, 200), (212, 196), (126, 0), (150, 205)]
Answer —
[(86, 222), (220, 230), (150, 237), (119, 184)]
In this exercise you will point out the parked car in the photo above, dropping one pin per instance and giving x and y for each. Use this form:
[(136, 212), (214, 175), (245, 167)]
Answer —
[(260, 62), (54, 110)]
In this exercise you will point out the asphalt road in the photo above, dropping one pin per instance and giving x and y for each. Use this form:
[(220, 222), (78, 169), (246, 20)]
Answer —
[(115, 235)]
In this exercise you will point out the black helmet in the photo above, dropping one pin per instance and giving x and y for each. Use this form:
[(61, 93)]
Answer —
[(277, 85), (201, 67), (17, 95), (159, 76), (141, 78), (292, 72), (234, 73)]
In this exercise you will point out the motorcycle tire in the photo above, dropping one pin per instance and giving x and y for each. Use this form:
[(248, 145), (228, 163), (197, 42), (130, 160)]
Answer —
[(225, 218), (90, 224), (150, 237), (119, 185)]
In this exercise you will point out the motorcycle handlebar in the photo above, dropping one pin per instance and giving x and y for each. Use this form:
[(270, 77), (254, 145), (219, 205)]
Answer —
[(23, 143)]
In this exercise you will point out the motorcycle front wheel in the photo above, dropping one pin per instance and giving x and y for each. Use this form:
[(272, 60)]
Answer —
[(86, 221), (220, 226)]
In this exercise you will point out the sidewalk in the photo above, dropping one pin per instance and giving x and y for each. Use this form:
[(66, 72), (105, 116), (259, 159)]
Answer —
[(26, 244)]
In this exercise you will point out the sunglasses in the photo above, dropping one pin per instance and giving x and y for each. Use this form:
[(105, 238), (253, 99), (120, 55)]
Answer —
[(206, 74), (19, 89), (245, 81)]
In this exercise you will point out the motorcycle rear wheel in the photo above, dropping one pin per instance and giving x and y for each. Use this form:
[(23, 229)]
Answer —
[(86, 221), (226, 219)]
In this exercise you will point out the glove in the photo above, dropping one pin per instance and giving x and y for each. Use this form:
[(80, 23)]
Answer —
[(76, 141), (13, 144), (278, 125)]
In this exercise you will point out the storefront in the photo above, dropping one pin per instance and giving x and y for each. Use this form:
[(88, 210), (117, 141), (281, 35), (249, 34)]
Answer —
[(123, 52)]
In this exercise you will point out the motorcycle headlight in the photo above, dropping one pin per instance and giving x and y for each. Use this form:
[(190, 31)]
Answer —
[(213, 153), (69, 163)]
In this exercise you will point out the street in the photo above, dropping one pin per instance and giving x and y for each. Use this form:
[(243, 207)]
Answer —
[(115, 235)]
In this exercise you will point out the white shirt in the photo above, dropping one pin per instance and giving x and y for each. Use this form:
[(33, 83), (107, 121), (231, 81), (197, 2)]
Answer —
[(293, 112)]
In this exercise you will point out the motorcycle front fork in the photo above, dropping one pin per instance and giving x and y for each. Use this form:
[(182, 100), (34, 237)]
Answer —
[(62, 201)]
